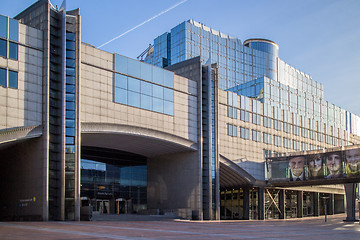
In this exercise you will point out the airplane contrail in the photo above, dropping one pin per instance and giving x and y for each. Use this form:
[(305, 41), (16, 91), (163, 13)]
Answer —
[(139, 25)]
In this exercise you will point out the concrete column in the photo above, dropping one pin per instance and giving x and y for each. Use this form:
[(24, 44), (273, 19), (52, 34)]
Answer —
[(316, 204), (261, 204), (225, 204), (246, 209), (282, 204), (350, 191), (300, 204), (232, 204), (239, 201), (331, 205)]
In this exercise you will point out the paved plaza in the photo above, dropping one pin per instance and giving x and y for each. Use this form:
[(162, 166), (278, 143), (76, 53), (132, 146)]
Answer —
[(306, 228)]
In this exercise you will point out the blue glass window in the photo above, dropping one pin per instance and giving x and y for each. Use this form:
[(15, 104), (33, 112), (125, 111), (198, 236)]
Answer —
[(70, 122), (69, 140), (120, 63), (120, 81), (120, 95), (70, 89), (146, 72), (169, 94), (3, 77), (70, 54), (70, 72), (169, 79), (146, 88), (13, 30), (168, 107), (146, 102), (134, 99), (3, 44), (70, 80), (71, 36), (158, 75), (3, 26), (134, 68), (70, 97), (158, 91), (13, 79), (70, 63), (13, 50), (70, 105), (70, 45), (70, 132), (70, 114), (134, 84), (158, 105)]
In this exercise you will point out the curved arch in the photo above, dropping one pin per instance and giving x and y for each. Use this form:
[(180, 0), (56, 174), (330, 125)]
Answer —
[(144, 141)]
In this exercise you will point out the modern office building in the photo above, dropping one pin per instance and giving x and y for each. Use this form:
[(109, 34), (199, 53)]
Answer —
[(80, 126)]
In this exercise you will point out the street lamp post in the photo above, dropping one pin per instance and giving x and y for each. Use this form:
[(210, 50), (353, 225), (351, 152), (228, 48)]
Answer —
[(325, 206)]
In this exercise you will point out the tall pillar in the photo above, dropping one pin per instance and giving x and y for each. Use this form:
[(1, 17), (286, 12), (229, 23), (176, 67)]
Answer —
[(282, 204), (261, 203), (300, 204), (225, 204), (239, 204), (246, 209), (350, 191), (331, 204), (232, 204), (316, 204)]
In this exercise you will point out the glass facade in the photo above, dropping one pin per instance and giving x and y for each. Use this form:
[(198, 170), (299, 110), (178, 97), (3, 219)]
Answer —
[(113, 181), (143, 86), (9, 37)]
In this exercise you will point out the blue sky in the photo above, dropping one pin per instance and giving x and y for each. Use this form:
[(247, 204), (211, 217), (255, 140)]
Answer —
[(318, 37)]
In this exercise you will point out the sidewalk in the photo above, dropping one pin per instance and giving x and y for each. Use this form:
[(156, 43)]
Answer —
[(305, 228)]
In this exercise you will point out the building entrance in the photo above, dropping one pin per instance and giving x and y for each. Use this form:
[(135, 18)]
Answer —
[(103, 206)]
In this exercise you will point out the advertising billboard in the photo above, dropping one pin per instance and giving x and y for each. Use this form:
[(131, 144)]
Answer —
[(343, 165)]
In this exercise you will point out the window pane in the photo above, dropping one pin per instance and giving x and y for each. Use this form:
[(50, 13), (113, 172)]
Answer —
[(2, 48), (158, 91), (3, 26), (70, 131), (70, 114), (158, 105), (146, 88), (70, 80), (134, 68), (120, 63), (146, 102), (70, 36), (13, 79), (134, 84), (146, 72), (168, 107), (134, 99), (70, 63), (120, 96), (158, 75), (69, 140), (169, 94), (120, 81), (70, 45), (169, 79), (3, 77), (70, 105), (70, 89), (13, 30), (70, 54)]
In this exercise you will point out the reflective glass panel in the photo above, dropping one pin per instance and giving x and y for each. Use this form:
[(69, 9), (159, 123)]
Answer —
[(70, 132), (2, 48), (71, 36), (3, 26), (158, 75), (70, 80), (158, 91), (146, 102), (70, 72), (13, 30), (70, 122), (70, 54), (13, 79), (70, 114), (70, 105), (120, 95), (70, 89), (120, 63), (169, 79), (134, 68), (70, 63), (146, 88), (70, 97), (146, 72), (70, 45), (120, 81), (158, 105), (169, 94), (134, 84), (168, 107), (3, 77), (69, 140), (134, 99)]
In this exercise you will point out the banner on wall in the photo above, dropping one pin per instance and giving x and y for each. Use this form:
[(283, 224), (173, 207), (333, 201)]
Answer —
[(342, 165)]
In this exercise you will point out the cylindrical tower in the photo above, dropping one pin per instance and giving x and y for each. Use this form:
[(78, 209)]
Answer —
[(269, 47)]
